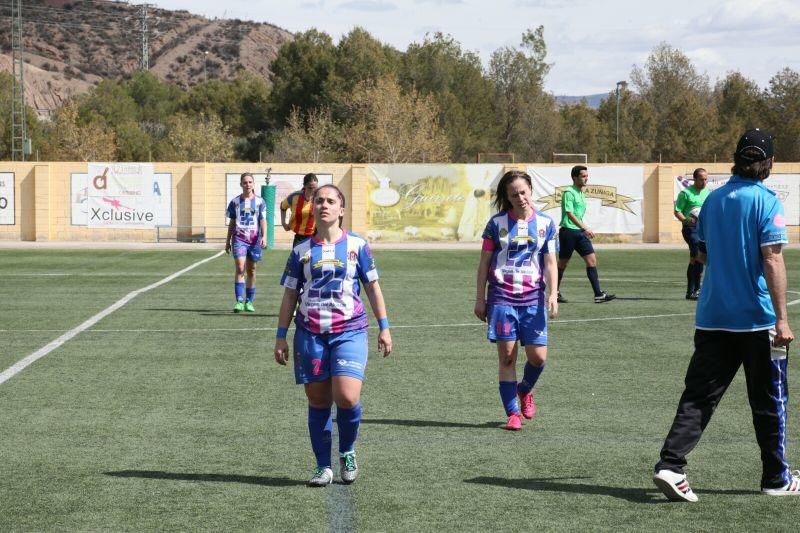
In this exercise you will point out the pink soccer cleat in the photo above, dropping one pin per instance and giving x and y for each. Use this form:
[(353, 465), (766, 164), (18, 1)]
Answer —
[(527, 404), (514, 422)]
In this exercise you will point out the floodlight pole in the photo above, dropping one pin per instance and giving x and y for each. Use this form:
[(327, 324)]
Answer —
[(620, 85)]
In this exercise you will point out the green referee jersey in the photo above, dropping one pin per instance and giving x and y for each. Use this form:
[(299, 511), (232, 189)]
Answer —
[(572, 201), (690, 198)]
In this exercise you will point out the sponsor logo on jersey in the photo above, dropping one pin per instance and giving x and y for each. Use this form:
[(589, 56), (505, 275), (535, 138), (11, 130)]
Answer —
[(334, 262)]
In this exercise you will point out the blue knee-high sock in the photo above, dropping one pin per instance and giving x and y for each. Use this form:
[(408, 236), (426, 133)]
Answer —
[(560, 277), (251, 293), (591, 273), (508, 393), (690, 277), (348, 421), (530, 377), (320, 427), (238, 290)]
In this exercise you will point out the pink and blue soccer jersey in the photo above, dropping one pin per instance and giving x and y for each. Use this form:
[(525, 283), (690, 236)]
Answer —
[(330, 276), (518, 248), (248, 215)]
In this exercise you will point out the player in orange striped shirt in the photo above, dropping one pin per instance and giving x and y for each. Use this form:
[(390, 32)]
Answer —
[(299, 202)]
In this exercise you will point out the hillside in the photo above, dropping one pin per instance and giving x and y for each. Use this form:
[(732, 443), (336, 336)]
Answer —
[(72, 44)]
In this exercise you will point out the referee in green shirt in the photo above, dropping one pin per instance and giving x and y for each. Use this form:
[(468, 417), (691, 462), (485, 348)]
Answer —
[(574, 235), (687, 209)]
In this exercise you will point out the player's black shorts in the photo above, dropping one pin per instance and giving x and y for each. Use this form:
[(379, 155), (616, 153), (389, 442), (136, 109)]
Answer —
[(690, 236), (570, 240)]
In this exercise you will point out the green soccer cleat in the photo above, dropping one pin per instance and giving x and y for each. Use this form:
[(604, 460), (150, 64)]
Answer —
[(248, 307), (239, 307)]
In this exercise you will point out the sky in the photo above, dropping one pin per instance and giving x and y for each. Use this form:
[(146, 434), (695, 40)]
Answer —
[(592, 44)]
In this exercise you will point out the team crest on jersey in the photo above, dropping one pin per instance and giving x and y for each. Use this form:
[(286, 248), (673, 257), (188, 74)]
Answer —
[(306, 258), (503, 232), (352, 256), (541, 234)]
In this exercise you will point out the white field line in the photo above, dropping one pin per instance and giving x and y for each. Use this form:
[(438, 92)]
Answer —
[(410, 326), (793, 302), (20, 365)]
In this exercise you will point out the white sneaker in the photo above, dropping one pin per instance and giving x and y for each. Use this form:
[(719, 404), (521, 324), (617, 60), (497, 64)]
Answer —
[(790, 489), (322, 476), (674, 486)]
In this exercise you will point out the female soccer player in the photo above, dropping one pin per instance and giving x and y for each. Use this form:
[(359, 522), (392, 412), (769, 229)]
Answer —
[(519, 250), (299, 202), (247, 236), (330, 340)]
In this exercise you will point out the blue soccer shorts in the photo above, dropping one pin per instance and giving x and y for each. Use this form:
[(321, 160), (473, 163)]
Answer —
[(319, 357), (252, 252), (527, 324)]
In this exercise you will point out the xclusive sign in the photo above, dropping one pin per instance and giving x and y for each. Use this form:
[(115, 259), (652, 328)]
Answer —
[(121, 196)]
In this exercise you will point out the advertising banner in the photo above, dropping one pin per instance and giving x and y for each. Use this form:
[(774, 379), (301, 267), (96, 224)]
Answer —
[(285, 185), (160, 190), (613, 196), (785, 186), (120, 196), (7, 198), (430, 202)]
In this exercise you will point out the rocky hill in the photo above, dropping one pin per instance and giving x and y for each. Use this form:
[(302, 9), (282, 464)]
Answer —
[(70, 45)]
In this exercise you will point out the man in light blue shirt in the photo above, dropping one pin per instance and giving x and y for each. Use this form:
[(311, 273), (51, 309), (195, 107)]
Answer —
[(741, 321)]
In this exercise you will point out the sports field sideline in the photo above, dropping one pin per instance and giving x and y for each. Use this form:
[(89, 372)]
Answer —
[(169, 412)]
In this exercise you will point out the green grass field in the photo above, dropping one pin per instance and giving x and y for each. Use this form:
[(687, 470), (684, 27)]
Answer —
[(171, 414)]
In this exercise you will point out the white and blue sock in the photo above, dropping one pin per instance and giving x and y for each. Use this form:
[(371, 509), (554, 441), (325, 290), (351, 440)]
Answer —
[(251, 294)]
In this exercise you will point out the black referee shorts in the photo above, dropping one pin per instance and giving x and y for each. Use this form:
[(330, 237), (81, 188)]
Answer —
[(570, 240)]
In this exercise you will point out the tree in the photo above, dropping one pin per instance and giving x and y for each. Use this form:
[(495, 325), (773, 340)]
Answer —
[(681, 101), (527, 115), (390, 126), (196, 138), (33, 126), (637, 128), (783, 113), (740, 106), (110, 103), (304, 71), (361, 57), (71, 140), (313, 138), (456, 81), (581, 131), (156, 99)]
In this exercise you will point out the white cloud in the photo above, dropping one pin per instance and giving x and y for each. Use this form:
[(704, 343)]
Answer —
[(368, 5)]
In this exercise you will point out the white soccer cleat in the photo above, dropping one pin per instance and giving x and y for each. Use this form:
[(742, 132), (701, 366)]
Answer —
[(790, 489), (674, 486), (348, 468), (322, 476)]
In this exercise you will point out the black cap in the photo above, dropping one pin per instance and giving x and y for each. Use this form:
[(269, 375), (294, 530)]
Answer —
[(755, 145)]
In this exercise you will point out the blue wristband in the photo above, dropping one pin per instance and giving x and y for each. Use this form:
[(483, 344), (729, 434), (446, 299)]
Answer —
[(282, 333), (383, 323)]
